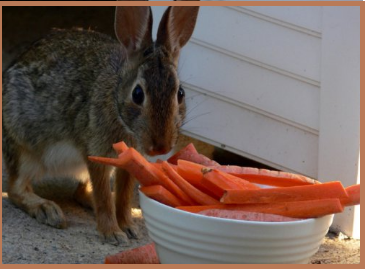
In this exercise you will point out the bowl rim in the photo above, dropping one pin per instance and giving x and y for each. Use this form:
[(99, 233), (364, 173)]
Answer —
[(224, 220)]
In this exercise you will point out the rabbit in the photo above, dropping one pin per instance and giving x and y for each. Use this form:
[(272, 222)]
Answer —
[(76, 92)]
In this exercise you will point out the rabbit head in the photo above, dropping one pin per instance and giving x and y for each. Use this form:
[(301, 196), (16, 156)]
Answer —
[(151, 102)]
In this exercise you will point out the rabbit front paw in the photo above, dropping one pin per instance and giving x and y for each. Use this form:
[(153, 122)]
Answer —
[(131, 231), (49, 213), (116, 238)]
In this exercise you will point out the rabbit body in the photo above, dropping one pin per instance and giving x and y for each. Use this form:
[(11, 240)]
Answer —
[(74, 94)]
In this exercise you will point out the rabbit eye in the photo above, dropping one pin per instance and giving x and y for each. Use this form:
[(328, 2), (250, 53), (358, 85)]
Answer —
[(180, 95), (138, 95)]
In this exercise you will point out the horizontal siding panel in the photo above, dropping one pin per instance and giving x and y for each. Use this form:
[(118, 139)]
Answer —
[(306, 17), (258, 39), (260, 137), (250, 85)]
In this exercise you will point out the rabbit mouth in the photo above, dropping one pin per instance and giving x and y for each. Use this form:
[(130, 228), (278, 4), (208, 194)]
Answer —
[(157, 150)]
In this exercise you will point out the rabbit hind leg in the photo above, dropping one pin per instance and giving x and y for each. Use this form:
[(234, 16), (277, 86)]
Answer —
[(22, 195), (83, 194)]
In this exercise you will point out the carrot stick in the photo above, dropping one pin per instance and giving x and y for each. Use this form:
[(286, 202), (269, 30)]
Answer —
[(172, 186), (297, 209), (354, 196), (190, 171), (142, 255), (186, 151), (162, 195), (157, 165), (245, 215), (130, 161), (144, 172), (194, 193), (189, 153), (217, 182), (120, 147), (285, 194), (267, 177)]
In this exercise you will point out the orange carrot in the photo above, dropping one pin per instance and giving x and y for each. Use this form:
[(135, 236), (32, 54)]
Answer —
[(142, 255), (354, 196), (267, 177), (120, 147), (245, 215), (190, 171), (186, 151), (297, 209), (189, 153), (144, 172), (172, 186), (217, 182), (158, 165), (194, 193), (285, 194), (162, 195), (130, 160)]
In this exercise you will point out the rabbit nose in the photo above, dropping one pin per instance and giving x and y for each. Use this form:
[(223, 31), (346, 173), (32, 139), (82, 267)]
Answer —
[(158, 150)]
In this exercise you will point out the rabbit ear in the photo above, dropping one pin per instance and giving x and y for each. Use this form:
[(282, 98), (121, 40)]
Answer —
[(133, 27), (176, 27)]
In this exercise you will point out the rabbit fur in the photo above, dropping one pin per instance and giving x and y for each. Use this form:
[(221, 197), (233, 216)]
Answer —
[(74, 93)]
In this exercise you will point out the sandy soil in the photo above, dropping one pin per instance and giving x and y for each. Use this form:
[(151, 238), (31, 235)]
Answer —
[(24, 240)]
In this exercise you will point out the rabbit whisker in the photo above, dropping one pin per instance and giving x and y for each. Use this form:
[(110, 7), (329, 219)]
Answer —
[(194, 117)]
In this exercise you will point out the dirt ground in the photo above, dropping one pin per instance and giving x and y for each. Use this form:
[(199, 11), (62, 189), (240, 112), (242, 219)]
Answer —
[(24, 240)]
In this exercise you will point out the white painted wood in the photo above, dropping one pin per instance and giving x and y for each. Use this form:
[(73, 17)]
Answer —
[(279, 95), (339, 138), (251, 134), (307, 17)]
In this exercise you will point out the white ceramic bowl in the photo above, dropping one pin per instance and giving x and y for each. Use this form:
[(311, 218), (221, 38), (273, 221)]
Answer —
[(181, 237)]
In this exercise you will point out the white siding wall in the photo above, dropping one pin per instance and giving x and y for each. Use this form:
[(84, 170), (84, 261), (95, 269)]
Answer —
[(259, 83)]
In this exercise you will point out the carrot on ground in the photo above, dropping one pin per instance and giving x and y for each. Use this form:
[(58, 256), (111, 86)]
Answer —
[(194, 193), (162, 195), (189, 153), (245, 215), (143, 171), (120, 147), (297, 209), (285, 194), (217, 182), (142, 255), (267, 177), (353, 193)]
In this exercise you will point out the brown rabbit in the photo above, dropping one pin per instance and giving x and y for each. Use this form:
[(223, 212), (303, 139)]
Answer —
[(75, 93)]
